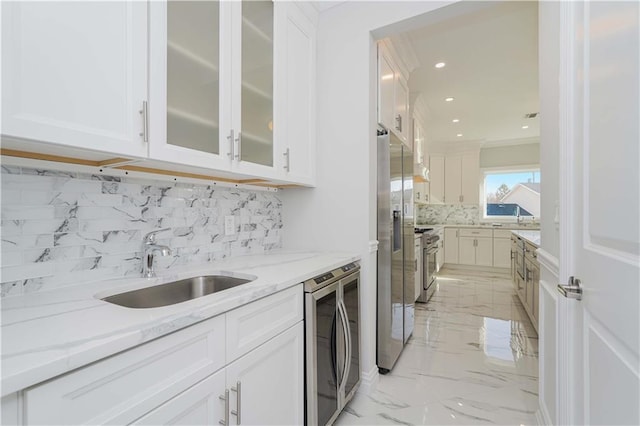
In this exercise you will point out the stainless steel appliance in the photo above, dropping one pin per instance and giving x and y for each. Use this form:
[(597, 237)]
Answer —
[(332, 342), (430, 247), (396, 257)]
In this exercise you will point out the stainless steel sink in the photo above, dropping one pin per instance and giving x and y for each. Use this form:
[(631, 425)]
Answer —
[(175, 292)]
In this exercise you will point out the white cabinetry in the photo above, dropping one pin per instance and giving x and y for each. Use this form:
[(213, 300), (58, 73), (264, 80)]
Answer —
[(266, 384), (227, 87), (198, 405), (420, 185), (418, 266), (233, 85), (468, 246), (180, 378), (298, 133), (526, 287), (501, 248), (393, 96), (451, 245), (461, 179), (476, 248), (75, 74), (440, 252), (436, 179)]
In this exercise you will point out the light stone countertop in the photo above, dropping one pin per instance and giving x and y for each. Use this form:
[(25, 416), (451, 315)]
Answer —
[(50, 333), (509, 226), (532, 236)]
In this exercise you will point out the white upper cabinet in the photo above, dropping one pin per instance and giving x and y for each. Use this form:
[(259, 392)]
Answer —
[(296, 83), (436, 179), (461, 178), (75, 74), (402, 122), (233, 86), (190, 107), (393, 97)]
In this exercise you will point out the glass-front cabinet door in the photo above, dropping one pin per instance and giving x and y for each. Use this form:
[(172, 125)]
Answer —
[(193, 75), (254, 119), (223, 77), (257, 82), (189, 112)]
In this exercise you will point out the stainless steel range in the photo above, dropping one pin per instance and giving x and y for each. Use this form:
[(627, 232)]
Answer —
[(430, 247)]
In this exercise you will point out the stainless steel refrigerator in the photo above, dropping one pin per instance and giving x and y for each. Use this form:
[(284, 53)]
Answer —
[(396, 255)]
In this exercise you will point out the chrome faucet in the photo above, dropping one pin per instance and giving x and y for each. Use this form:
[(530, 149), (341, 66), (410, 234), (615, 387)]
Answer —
[(149, 247), (518, 218)]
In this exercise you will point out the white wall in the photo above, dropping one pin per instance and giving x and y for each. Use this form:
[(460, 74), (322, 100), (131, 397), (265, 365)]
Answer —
[(340, 214), (510, 155)]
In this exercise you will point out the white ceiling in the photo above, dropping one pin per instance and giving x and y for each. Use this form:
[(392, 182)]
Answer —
[(491, 70)]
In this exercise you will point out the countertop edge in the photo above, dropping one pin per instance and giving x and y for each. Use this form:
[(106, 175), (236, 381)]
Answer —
[(63, 361)]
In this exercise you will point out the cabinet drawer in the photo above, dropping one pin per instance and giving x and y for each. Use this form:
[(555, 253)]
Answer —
[(471, 232), (123, 387), (502, 233), (251, 325)]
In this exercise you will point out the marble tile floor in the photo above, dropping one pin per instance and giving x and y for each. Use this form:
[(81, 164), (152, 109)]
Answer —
[(472, 360)]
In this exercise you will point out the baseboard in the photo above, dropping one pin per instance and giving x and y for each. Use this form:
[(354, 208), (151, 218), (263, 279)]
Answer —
[(369, 381), (475, 268)]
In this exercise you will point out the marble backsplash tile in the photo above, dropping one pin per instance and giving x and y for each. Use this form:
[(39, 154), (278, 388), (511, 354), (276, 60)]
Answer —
[(62, 228), (447, 214)]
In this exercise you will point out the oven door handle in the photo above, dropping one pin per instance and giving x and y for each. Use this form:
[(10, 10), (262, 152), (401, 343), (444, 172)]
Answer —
[(344, 319)]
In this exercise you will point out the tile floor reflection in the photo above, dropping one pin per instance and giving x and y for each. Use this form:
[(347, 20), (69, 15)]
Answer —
[(472, 359)]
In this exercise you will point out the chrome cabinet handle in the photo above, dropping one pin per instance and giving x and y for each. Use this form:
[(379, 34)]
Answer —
[(238, 390), (145, 121), (287, 155), (238, 155), (399, 122), (231, 141), (225, 398)]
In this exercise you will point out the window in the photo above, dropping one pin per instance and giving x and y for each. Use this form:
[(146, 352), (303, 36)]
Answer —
[(509, 194)]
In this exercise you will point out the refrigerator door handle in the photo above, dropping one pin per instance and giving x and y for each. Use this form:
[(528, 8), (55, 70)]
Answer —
[(347, 337)]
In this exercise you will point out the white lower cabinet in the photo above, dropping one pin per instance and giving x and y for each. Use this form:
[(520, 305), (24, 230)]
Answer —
[(476, 247), (262, 387), (502, 249), (266, 384), (451, 245), (198, 405), (418, 266), (179, 378)]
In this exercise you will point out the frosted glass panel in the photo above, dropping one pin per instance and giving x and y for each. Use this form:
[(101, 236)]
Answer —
[(257, 82), (193, 74)]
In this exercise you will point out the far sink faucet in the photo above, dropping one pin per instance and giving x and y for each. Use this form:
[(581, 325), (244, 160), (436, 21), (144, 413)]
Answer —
[(149, 247)]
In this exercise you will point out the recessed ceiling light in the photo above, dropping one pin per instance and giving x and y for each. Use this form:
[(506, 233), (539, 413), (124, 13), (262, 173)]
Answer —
[(455, 120), (459, 134), (440, 65), (525, 127), (448, 99)]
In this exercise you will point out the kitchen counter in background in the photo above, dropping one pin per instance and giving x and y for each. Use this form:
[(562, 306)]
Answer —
[(50, 333), (532, 236), (510, 226)]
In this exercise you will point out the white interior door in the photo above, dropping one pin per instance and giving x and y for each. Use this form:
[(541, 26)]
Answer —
[(599, 379)]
